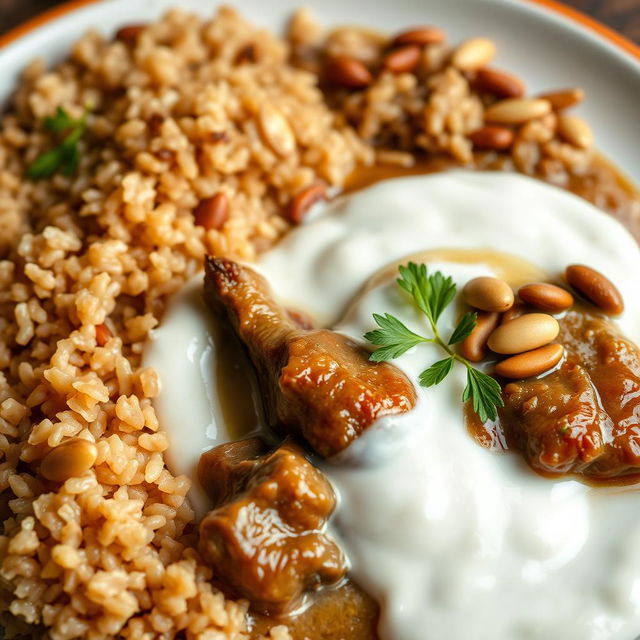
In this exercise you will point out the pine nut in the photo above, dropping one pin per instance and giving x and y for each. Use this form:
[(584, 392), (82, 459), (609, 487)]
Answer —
[(304, 200), (596, 288), (276, 130), (473, 54), (488, 294), (492, 137), (525, 333), (474, 346), (517, 110), (419, 36), (564, 99), (531, 363), (575, 131), (69, 460), (402, 60), (212, 213), (547, 297), (500, 83), (348, 73)]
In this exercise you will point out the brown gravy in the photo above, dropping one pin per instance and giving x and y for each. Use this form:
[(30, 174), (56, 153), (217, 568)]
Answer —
[(344, 613)]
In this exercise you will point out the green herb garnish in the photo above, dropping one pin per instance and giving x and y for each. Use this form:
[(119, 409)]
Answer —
[(66, 156), (432, 294)]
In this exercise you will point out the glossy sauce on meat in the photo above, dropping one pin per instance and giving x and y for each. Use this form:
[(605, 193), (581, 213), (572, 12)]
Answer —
[(582, 418), (265, 537), (319, 384)]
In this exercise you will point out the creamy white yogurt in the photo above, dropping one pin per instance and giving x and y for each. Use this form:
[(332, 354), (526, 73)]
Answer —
[(454, 541)]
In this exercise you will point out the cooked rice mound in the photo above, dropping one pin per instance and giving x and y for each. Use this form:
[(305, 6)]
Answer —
[(173, 120)]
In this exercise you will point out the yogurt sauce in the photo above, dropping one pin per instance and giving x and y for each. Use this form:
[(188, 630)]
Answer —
[(454, 541)]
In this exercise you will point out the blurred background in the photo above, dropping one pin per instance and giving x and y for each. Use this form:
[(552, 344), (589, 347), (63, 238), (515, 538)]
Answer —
[(621, 15)]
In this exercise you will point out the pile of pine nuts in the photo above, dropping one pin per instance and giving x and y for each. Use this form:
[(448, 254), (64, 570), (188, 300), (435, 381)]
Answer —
[(506, 327)]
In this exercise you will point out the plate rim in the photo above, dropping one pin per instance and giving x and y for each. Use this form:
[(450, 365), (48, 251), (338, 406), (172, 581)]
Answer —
[(568, 14)]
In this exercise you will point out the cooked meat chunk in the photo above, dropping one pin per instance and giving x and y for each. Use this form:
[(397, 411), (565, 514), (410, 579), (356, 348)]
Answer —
[(613, 363), (584, 417), (331, 392), (557, 421), (223, 471), (319, 384), (265, 539)]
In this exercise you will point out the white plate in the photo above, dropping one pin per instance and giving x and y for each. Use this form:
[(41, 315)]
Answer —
[(546, 49), (542, 47)]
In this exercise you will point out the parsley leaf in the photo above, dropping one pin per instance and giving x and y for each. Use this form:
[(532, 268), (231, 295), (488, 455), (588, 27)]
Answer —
[(393, 337), (466, 325), (484, 391), (66, 156), (442, 293), (413, 279), (60, 122), (437, 372), (46, 164), (432, 294)]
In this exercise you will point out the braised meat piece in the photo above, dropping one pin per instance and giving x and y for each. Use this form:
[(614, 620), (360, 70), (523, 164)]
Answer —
[(584, 417), (557, 422), (613, 363), (319, 384), (265, 539), (223, 471)]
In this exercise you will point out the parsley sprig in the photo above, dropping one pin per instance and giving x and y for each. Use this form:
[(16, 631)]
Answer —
[(432, 294), (66, 155)]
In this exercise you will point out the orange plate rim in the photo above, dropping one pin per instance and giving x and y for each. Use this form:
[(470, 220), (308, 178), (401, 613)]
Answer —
[(573, 15)]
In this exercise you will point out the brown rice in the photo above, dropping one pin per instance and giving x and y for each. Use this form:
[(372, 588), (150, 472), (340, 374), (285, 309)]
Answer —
[(174, 120), (181, 111)]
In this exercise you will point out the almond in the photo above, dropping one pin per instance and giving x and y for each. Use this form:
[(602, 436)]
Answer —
[(563, 99), (212, 213), (525, 333), (488, 294), (402, 60), (129, 33), (304, 200), (531, 363), (419, 36), (70, 459), (547, 297), (348, 73), (474, 346), (596, 288), (492, 137), (500, 83)]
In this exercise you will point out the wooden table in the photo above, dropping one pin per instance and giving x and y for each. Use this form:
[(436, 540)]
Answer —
[(621, 15)]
